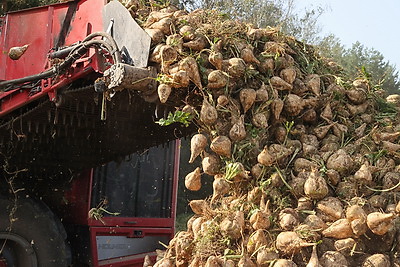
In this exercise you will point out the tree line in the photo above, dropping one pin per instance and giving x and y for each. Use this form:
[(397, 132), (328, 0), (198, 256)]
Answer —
[(282, 15)]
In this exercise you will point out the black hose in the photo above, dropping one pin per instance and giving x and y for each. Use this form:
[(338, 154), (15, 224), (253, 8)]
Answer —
[(80, 51), (63, 53), (46, 74), (76, 53), (114, 52)]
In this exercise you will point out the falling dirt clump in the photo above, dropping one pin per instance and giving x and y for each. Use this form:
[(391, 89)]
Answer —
[(303, 159)]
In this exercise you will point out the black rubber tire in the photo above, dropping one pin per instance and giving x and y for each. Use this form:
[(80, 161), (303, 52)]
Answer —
[(35, 229)]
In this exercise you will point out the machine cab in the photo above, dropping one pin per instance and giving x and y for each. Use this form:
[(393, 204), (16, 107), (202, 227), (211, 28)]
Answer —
[(129, 208)]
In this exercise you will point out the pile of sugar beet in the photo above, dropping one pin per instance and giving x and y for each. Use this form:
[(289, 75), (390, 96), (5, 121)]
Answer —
[(305, 163)]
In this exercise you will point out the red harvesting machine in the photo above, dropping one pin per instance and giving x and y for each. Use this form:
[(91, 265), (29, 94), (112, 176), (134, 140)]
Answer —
[(88, 177)]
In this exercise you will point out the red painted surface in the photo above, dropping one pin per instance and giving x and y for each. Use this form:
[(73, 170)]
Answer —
[(77, 199), (41, 28), (133, 260)]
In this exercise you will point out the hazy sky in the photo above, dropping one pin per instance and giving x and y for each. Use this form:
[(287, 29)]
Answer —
[(375, 23)]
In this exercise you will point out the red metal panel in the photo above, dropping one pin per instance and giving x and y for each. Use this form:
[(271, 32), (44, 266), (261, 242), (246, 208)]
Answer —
[(23, 28), (78, 199), (133, 260), (88, 19), (2, 35), (40, 28), (130, 261), (130, 221)]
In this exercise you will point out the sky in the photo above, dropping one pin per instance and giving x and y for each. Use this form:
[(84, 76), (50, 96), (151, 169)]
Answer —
[(374, 23)]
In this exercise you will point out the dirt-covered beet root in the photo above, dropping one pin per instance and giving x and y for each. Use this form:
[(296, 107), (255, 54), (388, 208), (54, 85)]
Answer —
[(304, 203), (357, 96), (313, 82), (197, 145), (314, 262), (288, 74), (256, 240), (245, 261), (290, 242), (265, 256), (180, 79), (260, 120), (333, 259), (355, 212), (198, 206), (248, 56), (164, 263), (193, 180), (230, 228), (279, 84), (220, 188), (189, 65), (341, 162), (247, 98), (187, 32), (211, 164), (262, 94), (288, 219), (222, 146), (315, 186), (198, 43), (238, 130), (345, 246), (265, 158), (330, 209), (377, 260), (164, 90), (277, 107), (208, 113), (339, 229), (217, 79), (284, 263), (315, 222), (363, 175), (380, 223), (293, 104), (236, 67), (213, 261)]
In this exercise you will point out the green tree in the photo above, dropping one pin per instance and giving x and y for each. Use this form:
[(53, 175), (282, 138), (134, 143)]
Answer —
[(382, 72), (359, 56), (331, 47)]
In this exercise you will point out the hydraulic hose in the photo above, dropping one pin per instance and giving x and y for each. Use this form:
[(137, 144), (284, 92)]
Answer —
[(46, 74), (76, 52), (80, 51), (115, 52)]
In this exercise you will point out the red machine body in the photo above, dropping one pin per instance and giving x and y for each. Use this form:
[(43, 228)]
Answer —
[(42, 29), (113, 181)]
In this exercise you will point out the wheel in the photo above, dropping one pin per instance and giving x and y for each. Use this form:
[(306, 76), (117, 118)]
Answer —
[(31, 235)]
